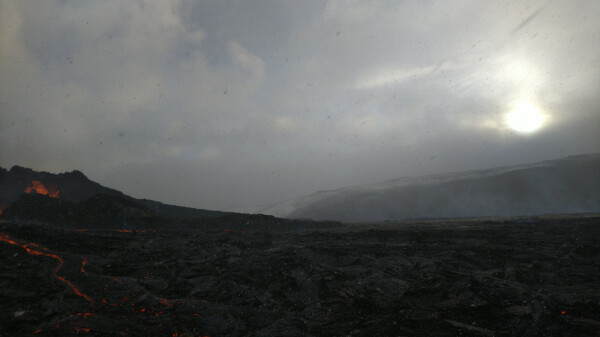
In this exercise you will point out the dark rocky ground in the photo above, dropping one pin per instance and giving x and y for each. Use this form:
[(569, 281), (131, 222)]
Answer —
[(525, 277)]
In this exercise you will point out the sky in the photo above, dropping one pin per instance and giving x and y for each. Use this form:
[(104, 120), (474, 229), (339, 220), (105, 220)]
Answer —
[(231, 104)]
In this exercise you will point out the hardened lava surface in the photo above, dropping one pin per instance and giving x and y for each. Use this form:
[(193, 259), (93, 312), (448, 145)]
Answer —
[(527, 277)]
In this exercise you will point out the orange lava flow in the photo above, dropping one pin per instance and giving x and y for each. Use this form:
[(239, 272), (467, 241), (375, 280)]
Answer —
[(38, 250), (39, 188)]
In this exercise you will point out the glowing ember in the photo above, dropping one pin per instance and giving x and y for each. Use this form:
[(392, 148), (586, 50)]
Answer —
[(165, 302), (83, 264), (107, 302), (80, 329), (39, 188), (43, 252)]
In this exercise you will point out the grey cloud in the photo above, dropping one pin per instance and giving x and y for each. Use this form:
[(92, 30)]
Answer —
[(238, 103)]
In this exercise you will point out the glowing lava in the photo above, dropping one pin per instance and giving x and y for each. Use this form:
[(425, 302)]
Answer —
[(38, 250), (39, 188), (166, 302), (125, 302)]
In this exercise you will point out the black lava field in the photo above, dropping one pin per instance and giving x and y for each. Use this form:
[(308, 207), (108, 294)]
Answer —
[(512, 277)]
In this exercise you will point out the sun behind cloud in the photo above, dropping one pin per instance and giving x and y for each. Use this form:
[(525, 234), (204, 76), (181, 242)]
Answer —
[(525, 117)]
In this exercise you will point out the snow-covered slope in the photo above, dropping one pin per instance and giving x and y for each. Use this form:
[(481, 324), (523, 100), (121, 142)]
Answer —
[(568, 185)]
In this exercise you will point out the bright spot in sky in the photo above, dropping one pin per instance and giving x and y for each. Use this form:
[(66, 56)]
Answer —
[(525, 117)]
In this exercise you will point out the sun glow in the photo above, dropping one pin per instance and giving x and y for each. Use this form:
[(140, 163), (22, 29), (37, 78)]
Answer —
[(525, 117)]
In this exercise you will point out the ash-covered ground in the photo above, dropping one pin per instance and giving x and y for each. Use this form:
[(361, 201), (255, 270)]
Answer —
[(523, 277)]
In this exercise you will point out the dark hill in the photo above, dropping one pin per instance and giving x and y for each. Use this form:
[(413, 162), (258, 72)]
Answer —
[(75, 187), (99, 211)]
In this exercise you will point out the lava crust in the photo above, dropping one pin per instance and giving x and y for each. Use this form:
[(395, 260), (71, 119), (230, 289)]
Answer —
[(525, 277)]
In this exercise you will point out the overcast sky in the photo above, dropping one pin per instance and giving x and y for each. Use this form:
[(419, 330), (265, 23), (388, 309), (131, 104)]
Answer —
[(227, 104)]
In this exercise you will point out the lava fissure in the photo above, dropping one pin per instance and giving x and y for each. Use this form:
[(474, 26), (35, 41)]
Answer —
[(42, 251), (35, 249)]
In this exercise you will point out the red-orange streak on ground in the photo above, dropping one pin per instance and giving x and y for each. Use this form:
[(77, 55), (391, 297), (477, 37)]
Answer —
[(39, 188), (164, 301), (83, 263), (107, 302), (7, 239)]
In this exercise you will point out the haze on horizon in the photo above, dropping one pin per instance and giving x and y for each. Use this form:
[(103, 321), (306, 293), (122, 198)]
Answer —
[(224, 105)]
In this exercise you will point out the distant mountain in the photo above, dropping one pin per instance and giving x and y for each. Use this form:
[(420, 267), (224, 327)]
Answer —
[(71, 200), (75, 187), (568, 185)]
